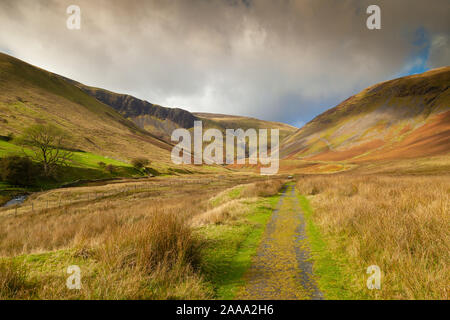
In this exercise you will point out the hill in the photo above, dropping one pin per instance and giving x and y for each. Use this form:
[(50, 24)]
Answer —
[(222, 122), (30, 95), (161, 121), (404, 118)]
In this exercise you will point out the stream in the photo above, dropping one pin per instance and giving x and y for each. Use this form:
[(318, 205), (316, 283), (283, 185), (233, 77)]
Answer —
[(16, 200)]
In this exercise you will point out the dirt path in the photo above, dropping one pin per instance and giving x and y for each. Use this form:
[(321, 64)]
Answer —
[(282, 268)]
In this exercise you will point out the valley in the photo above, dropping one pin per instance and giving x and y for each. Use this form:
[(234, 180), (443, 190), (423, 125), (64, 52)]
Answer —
[(365, 183)]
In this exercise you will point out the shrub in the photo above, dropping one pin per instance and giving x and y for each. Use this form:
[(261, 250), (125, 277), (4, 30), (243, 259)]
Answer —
[(8, 137), (140, 163), (315, 190), (110, 168), (101, 164), (17, 170)]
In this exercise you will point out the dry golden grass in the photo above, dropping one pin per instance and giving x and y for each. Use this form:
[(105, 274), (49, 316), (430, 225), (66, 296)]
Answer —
[(135, 242), (233, 203), (12, 280), (400, 224), (263, 188), (87, 221), (158, 251), (227, 211)]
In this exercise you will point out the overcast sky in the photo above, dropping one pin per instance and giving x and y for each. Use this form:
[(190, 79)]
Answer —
[(276, 60)]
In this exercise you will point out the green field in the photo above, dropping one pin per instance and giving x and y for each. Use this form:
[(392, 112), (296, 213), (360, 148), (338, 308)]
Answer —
[(83, 166), (79, 159)]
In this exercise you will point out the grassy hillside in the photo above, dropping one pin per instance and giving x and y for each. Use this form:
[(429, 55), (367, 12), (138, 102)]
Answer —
[(82, 166), (403, 118), (159, 121), (29, 95), (80, 161)]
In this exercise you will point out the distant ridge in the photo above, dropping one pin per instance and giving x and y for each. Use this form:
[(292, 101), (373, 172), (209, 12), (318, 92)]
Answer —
[(161, 121), (131, 107)]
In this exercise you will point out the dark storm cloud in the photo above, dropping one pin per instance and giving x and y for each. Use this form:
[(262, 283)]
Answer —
[(280, 60)]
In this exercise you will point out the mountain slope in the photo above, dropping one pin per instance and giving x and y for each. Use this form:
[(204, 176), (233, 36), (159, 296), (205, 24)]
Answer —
[(222, 122), (99, 121), (30, 95), (403, 118), (161, 121), (158, 120)]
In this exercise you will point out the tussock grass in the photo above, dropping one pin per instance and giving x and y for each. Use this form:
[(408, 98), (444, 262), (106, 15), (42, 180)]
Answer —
[(398, 223), (13, 280), (263, 188), (132, 243), (152, 259), (161, 240)]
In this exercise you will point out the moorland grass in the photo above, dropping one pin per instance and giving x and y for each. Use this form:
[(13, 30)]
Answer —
[(397, 223), (137, 244), (327, 266)]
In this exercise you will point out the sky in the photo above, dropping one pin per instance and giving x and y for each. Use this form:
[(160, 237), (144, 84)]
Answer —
[(282, 60)]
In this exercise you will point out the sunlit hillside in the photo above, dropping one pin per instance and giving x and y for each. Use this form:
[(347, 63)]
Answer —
[(403, 118)]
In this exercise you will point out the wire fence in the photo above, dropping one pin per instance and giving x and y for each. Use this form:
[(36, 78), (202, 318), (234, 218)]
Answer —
[(59, 198), (39, 205)]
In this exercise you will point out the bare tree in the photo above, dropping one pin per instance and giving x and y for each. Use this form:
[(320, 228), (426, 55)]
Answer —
[(47, 143)]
